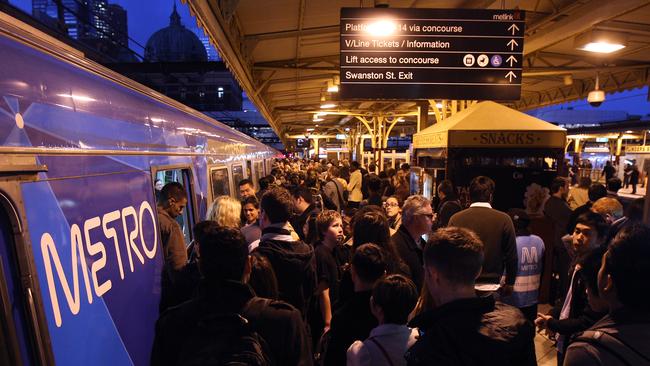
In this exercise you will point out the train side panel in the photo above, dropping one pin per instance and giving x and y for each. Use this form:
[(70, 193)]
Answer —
[(97, 252)]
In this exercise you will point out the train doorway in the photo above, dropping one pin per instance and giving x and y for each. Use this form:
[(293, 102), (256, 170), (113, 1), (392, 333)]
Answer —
[(15, 332)]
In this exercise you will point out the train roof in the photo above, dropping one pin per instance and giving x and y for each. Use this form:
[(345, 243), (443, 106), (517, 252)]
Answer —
[(54, 100)]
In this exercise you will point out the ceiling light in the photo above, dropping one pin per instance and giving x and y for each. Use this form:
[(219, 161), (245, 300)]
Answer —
[(347, 129), (310, 129), (599, 41), (401, 119), (332, 87), (628, 131), (328, 105), (318, 120), (601, 47), (381, 28), (438, 105)]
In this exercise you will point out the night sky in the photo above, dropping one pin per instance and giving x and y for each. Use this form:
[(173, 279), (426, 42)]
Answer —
[(147, 16), (144, 17)]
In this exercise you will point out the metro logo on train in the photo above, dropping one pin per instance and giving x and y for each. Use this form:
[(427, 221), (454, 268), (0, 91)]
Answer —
[(107, 225)]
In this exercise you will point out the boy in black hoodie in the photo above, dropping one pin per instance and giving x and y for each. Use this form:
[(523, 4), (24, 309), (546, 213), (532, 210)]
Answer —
[(292, 260)]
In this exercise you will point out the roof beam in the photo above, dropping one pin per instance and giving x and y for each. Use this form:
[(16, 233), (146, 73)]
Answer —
[(581, 20), (579, 70), (291, 63), (330, 29), (301, 79)]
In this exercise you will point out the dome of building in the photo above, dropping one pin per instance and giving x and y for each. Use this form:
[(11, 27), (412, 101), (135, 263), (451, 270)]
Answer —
[(175, 44)]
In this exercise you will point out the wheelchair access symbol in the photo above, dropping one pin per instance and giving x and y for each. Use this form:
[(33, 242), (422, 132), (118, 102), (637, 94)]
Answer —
[(496, 60)]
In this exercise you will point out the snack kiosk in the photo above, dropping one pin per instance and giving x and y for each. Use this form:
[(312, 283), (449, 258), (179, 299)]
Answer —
[(511, 147)]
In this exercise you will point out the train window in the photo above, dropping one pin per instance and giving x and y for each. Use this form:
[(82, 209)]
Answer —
[(220, 182), (259, 172), (269, 166), (237, 174), (186, 219), (249, 167)]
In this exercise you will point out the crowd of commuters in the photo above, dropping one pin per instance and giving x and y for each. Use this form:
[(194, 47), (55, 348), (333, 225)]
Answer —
[(333, 263)]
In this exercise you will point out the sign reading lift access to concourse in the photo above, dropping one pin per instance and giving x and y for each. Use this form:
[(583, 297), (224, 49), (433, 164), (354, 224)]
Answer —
[(431, 53)]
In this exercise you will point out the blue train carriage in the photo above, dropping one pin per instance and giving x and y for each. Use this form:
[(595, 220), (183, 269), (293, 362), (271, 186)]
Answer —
[(80, 250)]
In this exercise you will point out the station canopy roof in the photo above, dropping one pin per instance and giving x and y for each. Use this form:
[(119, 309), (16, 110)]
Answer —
[(284, 53), (491, 125)]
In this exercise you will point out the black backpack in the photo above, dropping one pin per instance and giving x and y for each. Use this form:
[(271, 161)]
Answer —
[(227, 339), (607, 340)]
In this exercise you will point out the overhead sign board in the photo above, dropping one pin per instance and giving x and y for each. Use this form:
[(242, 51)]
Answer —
[(638, 149), (431, 53)]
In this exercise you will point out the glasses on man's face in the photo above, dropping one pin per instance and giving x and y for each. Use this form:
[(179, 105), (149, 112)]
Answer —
[(390, 204)]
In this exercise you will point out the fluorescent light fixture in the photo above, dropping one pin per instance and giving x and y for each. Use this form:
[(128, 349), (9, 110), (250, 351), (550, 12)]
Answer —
[(310, 129), (328, 105), (601, 47), (599, 41), (318, 120), (401, 119), (628, 131), (382, 27)]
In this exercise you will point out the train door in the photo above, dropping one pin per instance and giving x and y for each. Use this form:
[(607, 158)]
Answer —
[(183, 176), (14, 334), (22, 338)]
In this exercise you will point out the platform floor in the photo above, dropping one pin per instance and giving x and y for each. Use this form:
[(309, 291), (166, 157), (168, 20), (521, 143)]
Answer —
[(640, 192)]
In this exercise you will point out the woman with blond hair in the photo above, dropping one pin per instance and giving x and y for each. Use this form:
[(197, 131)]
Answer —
[(225, 211)]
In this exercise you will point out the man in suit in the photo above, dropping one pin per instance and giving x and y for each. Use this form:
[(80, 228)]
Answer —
[(417, 218), (496, 231)]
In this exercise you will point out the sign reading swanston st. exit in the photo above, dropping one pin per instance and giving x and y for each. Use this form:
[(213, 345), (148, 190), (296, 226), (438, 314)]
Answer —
[(431, 53)]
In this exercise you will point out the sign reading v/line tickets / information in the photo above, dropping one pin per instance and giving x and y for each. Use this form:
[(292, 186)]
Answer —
[(431, 53)]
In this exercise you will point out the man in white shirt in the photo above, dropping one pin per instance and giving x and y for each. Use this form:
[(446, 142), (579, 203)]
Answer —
[(354, 186)]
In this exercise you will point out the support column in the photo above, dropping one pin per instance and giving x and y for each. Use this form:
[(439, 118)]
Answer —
[(576, 146), (316, 147), (619, 145), (423, 116), (359, 156)]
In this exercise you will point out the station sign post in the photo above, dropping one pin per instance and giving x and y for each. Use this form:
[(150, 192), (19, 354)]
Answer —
[(431, 53)]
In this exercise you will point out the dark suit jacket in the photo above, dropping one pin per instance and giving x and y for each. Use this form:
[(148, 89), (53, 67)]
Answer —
[(497, 232), (410, 254)]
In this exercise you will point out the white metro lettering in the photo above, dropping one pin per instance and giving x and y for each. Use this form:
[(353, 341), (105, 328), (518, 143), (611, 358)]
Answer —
[(96, 250)]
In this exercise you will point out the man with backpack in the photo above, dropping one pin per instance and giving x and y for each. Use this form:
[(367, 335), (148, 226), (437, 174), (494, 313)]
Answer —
[(334, 190), (622, 337), (225, 323)]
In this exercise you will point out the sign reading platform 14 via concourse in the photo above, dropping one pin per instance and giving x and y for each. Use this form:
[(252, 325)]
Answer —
[(431, 53)]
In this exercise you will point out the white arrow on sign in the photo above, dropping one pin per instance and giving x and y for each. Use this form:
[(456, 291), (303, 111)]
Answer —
[(513, 28), (510, 75), (511, 60), (512, 44)]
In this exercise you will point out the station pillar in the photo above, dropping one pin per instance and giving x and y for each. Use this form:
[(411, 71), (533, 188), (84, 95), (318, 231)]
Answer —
[(316, 147), (576, 146)]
